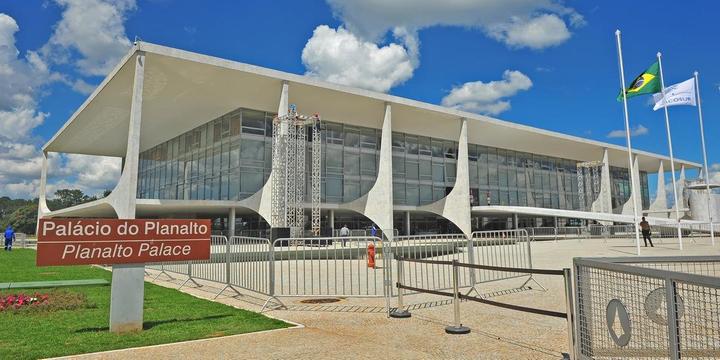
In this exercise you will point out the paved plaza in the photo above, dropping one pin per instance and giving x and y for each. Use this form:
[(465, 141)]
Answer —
[(359, 328)]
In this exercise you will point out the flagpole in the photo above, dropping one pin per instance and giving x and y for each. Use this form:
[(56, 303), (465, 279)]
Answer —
[(672, 158), (705, 163), (627, 138)]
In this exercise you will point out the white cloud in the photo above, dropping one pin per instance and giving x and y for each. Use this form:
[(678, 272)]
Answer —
[(536, 33), (18, 123), (341, 57), (20, 175), (714, 174), (487, 98), (20, 78), (506, 21), (636, 131), (83, 87), (21, 82), (357, 53), (93, 173), (92, 29)]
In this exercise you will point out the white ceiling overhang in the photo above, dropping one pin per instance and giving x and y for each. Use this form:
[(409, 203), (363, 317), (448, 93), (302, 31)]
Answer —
[(183, 90)]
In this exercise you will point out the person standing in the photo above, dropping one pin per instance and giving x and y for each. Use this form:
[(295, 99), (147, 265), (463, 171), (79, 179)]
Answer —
[(645, 227), (373, 231), (9, 238), (344, 233)]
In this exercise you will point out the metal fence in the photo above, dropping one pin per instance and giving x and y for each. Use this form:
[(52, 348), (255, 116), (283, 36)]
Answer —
[(659, 231), (504, 248), (651, 307), (242, 262), (457, 326), (327, 267), (309, 267), (365, 232)]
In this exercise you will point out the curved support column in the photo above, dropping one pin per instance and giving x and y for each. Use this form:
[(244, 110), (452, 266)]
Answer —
[(627, 208), (456, 205), (127, 288), (603, 203), (660, 202), (123, 197), (42, 196), (261, 201), (682, 194), (377, 204)]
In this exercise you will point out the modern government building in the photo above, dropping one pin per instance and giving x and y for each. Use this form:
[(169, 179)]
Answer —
[(195, 136)]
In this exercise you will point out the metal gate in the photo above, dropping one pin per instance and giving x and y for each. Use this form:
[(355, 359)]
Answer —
[(651, 307)]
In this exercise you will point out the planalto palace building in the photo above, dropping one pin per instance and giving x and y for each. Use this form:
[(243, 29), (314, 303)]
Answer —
[(195, 134)]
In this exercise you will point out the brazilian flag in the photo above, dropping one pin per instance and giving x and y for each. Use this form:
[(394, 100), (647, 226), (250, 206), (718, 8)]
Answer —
[(646, 83)]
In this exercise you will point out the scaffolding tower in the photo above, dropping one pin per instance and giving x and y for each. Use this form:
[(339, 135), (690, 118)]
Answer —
[(289, 145), (588, 178)]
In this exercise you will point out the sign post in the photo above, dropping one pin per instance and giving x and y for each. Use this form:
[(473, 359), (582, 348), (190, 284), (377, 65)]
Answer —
[(121, 242)]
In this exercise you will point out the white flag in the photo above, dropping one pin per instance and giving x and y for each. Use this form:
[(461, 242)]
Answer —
[(679, 94)]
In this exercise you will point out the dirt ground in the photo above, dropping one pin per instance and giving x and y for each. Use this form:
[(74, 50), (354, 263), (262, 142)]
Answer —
[(359, 328)]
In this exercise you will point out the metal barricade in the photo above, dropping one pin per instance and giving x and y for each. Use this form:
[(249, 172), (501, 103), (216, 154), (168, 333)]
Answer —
[(334, 266), (542, 233), (439, 247), (504, 248), (648, 307), (456, 326), (250, 264), (571, 232), (507, 248), (213, 269)]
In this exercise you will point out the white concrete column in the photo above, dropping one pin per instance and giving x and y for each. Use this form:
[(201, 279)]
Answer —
[(516, 221), (682, 196), (407, 223), (332, 219), (603, 203), (456, 205), (660, 202), (42, 195), (231, 223), (261, 201), (127, 288), (627, 208), (377, 204)]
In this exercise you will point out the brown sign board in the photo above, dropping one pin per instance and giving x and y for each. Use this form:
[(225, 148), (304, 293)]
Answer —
[(117, 241)]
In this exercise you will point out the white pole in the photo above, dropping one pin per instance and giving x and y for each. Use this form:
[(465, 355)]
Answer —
[(627, 138), (672, 159), (705, 163)]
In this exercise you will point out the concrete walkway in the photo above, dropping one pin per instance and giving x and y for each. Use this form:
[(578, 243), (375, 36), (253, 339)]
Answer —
[(359, 328)]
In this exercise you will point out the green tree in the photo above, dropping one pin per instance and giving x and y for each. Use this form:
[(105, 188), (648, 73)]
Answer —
[(8, 205), (23, 219), (65, 198)]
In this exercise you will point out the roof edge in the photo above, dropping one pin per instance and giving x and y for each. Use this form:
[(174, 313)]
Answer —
[(305, 80), (91, 97)]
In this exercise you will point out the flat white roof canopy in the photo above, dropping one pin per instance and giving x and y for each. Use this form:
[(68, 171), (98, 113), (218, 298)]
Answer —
[(183, 90)]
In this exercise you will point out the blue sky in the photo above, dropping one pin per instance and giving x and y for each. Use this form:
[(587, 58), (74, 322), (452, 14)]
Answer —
[(544, 63)]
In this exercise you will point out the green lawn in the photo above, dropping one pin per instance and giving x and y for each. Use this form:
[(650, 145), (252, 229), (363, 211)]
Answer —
[(170, 315)]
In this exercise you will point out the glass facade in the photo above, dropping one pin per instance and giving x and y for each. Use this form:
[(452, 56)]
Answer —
[(620, 185), (504, 177), (423, 168), (229, 158), (225, 159)]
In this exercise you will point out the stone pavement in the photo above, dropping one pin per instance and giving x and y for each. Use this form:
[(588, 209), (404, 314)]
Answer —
[(359, 329)]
